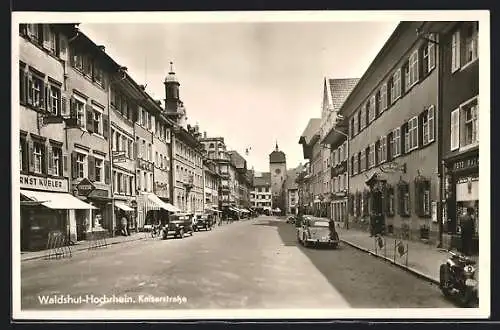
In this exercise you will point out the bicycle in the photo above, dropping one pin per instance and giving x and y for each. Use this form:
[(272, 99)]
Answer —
[(156, 231)]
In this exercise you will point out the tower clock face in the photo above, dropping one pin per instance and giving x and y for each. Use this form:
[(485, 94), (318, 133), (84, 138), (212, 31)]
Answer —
[(277, 171)]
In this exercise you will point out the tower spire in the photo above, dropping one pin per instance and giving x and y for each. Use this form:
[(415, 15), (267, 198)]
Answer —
[(171, 66), (277, 145)]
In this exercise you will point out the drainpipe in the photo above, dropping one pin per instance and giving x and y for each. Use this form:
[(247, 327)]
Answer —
[(440, 204)]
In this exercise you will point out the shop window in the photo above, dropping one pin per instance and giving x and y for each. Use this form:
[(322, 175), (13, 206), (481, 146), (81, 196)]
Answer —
[(471, 42), (396, 86), (404, 199)]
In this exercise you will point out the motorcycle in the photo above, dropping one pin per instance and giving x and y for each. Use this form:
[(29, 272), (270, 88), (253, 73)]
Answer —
[(457, 278)]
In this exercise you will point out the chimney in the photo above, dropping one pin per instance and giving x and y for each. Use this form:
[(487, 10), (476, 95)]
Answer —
[(142, 87), (205, 134), (102, 48)]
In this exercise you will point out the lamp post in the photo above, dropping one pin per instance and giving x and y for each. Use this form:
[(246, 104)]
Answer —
[(121, 70)]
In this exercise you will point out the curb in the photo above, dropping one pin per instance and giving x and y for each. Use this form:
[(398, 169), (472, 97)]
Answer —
[(81, 249), (408, 269)]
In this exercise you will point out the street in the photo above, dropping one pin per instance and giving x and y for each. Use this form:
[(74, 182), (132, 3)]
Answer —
[(247, 264)]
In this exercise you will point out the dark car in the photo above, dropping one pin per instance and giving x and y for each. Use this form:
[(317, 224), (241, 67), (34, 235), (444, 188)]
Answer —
[(178, 225), (290, 219), (203, 221), (317, 231)]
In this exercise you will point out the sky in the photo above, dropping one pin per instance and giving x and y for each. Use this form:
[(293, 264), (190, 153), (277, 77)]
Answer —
[(253, 83)]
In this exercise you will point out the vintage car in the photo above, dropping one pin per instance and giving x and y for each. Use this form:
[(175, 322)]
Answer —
[(290, 219), (178, 224), (317, 231), (203, 221)]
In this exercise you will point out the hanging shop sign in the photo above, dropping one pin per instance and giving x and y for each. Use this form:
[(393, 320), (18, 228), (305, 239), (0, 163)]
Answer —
[(84, 187), (41, 183)]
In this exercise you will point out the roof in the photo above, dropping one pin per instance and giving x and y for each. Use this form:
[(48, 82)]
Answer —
[(277, 157), (263, 180), (340, 90), (311, 130), (237, 159)]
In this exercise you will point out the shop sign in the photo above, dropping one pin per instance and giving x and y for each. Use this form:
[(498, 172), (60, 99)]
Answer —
[(145, 165), (41, 183), (84, 187), (393, 167), (467, 163), (99, 193)]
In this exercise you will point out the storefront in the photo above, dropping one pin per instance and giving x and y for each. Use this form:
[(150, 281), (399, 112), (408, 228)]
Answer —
[(125, 208), (461, 192), (46, 206), (147, 204)]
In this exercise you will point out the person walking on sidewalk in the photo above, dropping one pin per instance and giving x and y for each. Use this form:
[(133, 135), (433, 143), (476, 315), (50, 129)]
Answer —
[(124, 223), (467, 230)]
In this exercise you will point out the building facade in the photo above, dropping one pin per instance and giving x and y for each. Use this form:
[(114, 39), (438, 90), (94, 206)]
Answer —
[(261, 195), (312, 151), (211, 186), (292, 189), (392, 151), (335, 176), (460, 126)]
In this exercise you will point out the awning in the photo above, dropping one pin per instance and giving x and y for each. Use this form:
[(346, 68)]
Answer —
[(57, 201), (122, 206), (166, 206)]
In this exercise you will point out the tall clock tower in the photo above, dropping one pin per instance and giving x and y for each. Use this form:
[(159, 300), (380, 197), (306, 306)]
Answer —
[(277, 167)]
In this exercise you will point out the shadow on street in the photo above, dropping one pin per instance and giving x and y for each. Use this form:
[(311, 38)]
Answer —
[(364, 281)]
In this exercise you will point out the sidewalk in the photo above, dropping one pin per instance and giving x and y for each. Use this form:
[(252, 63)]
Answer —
[(422, 259), (84, 245)]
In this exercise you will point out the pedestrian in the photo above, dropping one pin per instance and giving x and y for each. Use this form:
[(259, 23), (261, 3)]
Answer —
[(467, 230), (124, 223)]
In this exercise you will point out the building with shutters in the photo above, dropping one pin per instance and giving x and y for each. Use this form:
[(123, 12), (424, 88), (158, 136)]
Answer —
[(243, 180), (391, 114), (46, 173), (460, 126)]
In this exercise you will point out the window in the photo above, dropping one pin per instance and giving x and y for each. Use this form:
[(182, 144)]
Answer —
[(56, 161), (428, 125), (427, 203), (34, 32), (80, 112), (362, 161), (455, 51), (98, 127), (36, 87), (429, 55), (471, 42), (99, 170), (411, 74), (130, 149), (38, 157), (77, 60), (98, 75), (383, 150), (471, 122), (371, 155), (383, 98), (54, 98), (150, 152), (362, 118), (51, 38), (371, 109), (413, 134), (396, 85), (396, 142), (390, 201), (80, 165), (404, 199)]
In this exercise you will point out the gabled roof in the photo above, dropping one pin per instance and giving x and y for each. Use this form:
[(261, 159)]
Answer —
[(340, 90), (311, 130), (238, 160)]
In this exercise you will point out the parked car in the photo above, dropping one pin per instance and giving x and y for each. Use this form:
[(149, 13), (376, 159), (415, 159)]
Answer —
[(290, 219), (178, 225), (203, 221), (317, 231)]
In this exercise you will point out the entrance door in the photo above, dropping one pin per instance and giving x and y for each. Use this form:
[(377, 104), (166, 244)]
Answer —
[(378, 211)]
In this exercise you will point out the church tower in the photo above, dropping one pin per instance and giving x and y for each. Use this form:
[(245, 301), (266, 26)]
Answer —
[(173, 104), (277, 167)]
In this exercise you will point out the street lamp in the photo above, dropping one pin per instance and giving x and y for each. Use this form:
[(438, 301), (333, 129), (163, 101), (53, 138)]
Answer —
[(121, 70)]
